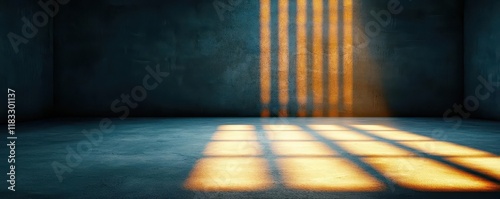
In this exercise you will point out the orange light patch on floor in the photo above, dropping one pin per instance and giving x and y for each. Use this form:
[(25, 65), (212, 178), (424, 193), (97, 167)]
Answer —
[(230, 174), (374, 148), (429, 175), (281, 127), (289, 135), (374, 127), (486, 165), (233, 148), (399, 135), (236, 128), (318, 127), (441, 148), (301, 149), (344, 135), (326, 174), (235, 135)]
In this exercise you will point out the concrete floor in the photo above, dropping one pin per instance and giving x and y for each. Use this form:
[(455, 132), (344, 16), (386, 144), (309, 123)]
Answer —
[(258, 158)]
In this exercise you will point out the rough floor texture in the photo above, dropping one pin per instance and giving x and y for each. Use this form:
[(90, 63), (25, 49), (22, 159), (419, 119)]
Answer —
[(208, 158)]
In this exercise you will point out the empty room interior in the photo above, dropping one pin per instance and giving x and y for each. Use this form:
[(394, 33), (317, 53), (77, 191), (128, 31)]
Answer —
[(250, 99)]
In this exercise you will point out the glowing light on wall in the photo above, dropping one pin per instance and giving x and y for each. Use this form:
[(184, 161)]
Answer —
[(333, 59), (317, 65), (302, 57), (331, 87), (348, 77), (283, 57), (265, 56)]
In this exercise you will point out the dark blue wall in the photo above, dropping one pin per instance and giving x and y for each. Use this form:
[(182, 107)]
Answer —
[(414, 67), (482, 47), (29, 70)]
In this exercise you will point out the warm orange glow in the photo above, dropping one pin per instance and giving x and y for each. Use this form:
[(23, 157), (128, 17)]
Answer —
[(374, 148), (236, 128), (344, 135), (234, 135), (229, 174), (348, 57), (318, 127), (374, 127), (283, 56), (265, 56), (317, 73), (301, 57), (429, 175), (326, 174), (399, 135), (333, 59), (289, 135), (486, 165), (306, 148), (281, 127), (233, 148), (445, 148)]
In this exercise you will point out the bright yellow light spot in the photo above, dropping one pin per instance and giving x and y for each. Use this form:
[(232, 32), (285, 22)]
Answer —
[(281, 127), (233, 148), (374, 148), (374, 128), (318, 127), (236, 128), (229, 174), (486, 165), (234, 135), (326, 174), (344, 135), (445, 148), (399, 135), (301, 149), (429, 175), (288, 135)]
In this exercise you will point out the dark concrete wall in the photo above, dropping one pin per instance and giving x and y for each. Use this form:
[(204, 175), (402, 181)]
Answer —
[(29, 70), (417, 58), (482, 60), (414, 67)]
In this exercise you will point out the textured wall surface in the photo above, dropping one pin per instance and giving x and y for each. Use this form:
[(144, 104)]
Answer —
[(412, 66), (29, 70), (482, 60)]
